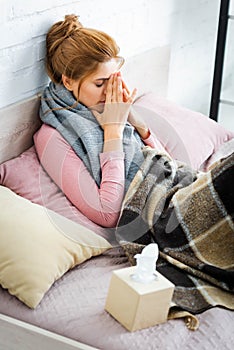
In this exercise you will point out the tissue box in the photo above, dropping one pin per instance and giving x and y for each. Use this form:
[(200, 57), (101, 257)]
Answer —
[(136, 305)]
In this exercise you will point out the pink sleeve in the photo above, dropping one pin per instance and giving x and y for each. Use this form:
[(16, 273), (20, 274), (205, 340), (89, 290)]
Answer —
[(101, 205), (153, 142)]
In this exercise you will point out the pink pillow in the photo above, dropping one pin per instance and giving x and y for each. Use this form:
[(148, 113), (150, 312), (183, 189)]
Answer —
[(25, 176), (187, 135)]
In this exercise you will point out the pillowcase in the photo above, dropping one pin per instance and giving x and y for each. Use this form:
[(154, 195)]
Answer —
[(37, 246), (25, 176), (186, 135)]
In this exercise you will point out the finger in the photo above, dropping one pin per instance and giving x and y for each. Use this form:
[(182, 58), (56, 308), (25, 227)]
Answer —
[(125, 94), (119, 90), (125, 87), (114, 89), (132, 96), (109, 90)]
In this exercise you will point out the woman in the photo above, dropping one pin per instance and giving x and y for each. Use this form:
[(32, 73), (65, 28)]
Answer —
[(92, 146), (91, 156)]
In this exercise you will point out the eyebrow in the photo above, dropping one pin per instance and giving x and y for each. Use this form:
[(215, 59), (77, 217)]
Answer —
[(104, 79)]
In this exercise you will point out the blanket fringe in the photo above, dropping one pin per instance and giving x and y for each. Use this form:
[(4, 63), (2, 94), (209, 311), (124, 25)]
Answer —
[(190, 320)]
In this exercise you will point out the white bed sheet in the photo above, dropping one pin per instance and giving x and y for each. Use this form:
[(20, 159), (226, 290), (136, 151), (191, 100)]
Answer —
[(74, 307)]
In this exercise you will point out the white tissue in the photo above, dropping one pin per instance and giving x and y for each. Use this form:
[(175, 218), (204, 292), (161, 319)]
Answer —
[(146, 264)]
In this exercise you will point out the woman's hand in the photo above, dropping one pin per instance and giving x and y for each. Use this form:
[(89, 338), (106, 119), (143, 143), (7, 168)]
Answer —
[(116, 108), (134, 118), (115, 113)]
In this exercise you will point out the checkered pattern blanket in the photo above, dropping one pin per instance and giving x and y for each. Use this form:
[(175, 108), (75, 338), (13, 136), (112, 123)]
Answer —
[(190, 217)]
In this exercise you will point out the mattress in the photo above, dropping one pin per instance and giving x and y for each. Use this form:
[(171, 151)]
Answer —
[(74, 307)]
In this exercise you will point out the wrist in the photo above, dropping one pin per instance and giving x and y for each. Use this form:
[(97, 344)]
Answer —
[(113, 145), (113, 132), (144, 133)]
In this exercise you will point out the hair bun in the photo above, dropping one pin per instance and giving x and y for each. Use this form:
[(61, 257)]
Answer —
[(72, 22)]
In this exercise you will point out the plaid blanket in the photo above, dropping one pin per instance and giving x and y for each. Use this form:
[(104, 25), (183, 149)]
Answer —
[(190, 217)]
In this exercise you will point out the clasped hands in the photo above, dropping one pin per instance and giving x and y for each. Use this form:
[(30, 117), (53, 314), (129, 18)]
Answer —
[(117, 104), (117, 109)]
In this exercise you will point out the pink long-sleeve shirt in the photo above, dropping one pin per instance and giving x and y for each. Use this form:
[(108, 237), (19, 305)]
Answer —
[(100, 204)]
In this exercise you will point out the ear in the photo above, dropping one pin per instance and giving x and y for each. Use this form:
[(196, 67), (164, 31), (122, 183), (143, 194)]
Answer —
[(67, 82)]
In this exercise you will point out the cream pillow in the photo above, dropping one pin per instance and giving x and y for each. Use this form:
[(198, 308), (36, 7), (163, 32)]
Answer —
[(37, 246)]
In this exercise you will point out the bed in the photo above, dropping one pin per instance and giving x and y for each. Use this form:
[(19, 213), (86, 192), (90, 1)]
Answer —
[(70, 313)]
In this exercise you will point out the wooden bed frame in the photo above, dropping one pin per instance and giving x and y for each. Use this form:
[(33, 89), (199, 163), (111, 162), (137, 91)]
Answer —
[(18, 335)]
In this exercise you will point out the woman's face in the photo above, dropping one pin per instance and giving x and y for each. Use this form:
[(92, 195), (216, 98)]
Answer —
[(93, 89)]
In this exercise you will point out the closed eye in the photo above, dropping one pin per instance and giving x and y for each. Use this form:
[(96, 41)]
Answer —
[(101, 82)]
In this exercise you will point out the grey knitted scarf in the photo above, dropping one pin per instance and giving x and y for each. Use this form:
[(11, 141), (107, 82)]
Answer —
[(80, 129)]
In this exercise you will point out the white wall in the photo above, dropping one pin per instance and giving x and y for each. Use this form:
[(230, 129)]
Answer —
[(187, 27), (193, 41), (24, 25)]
